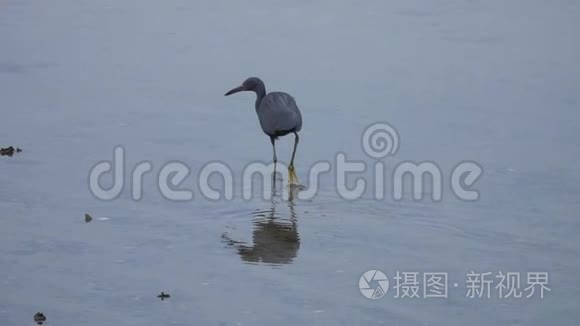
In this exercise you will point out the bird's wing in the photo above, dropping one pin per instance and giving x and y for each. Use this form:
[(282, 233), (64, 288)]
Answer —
[(278, 113)]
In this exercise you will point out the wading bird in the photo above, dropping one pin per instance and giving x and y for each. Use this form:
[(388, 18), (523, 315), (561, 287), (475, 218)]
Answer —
[(278, 114)]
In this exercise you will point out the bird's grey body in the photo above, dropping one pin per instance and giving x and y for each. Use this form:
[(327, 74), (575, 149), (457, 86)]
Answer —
[(278, 115)]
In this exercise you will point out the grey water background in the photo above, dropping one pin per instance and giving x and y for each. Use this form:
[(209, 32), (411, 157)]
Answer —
[(495, 82)]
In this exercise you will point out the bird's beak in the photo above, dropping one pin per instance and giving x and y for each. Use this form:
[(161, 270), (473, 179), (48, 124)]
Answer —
[(235, 90)]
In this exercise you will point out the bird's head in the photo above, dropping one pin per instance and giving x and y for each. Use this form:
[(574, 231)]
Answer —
[(251, 84)]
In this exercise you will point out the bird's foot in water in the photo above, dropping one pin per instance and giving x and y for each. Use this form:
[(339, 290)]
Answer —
[(293, 181)]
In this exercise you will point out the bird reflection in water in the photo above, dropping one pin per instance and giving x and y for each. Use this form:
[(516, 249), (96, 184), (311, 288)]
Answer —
[(275, 238)]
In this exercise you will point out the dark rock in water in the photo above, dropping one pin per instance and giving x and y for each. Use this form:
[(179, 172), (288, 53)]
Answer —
[(164, 295), (88, 218), (9, 151), (39, 318)]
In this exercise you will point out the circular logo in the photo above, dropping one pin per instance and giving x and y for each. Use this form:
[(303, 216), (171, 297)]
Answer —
[(373, 284), (380, 140)]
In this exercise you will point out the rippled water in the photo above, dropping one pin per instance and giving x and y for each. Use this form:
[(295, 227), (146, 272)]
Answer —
[(491, 82)]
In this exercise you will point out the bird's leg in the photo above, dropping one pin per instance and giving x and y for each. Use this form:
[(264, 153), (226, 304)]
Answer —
[(292, 178), (272, 140)]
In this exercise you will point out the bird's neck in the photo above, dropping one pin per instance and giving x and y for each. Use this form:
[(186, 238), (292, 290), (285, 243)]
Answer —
[(260, 93)]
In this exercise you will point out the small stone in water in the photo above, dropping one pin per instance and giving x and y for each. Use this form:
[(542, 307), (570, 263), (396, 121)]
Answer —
[(39, 318), (164, 295), (9, 151)]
